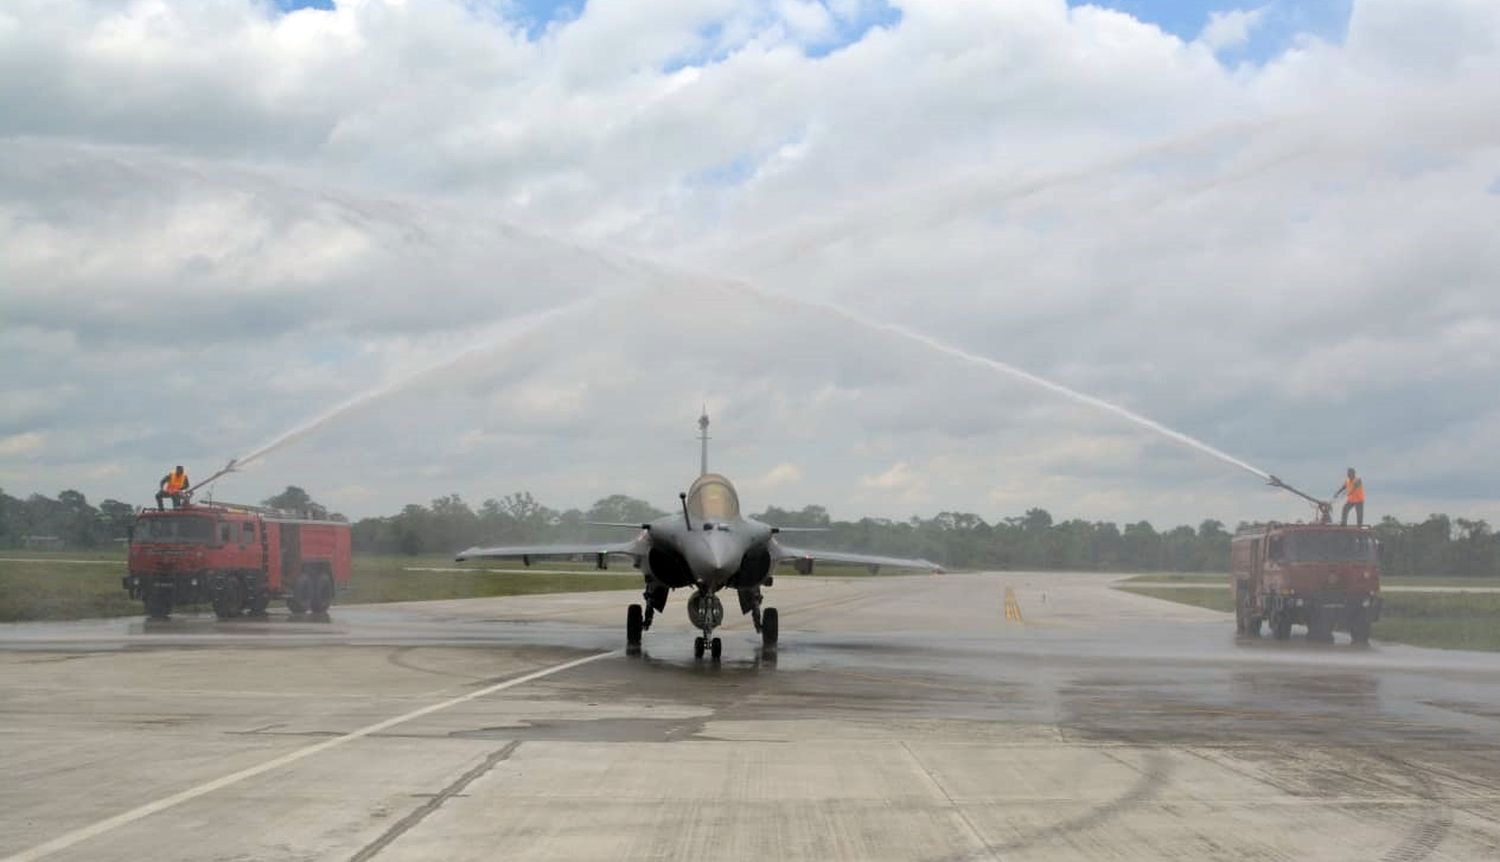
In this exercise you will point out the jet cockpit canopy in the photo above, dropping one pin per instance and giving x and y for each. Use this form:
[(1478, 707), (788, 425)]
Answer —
[(712, 498)]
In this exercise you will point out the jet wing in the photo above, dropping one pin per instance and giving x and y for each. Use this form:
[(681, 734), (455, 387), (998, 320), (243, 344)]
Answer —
[(804, 559), (525, 553)]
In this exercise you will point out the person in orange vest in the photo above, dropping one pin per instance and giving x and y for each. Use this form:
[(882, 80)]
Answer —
[(173, 486), (1354, 498)]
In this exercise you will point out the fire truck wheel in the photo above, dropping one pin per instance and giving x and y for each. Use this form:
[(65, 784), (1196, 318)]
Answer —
[(158, 604), (1359, 627), (229, 598), (1320, 627), (321, 593), (301, 595), (256, 607), (1281, 626)]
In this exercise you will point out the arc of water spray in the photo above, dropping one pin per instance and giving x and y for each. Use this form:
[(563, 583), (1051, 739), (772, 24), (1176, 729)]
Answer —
[(1010, 370), (660, 270), (516, 328)]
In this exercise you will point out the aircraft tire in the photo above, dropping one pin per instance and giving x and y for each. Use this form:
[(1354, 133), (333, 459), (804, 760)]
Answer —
[(716, 648), (698, 647), (770, 628), (633, 616)]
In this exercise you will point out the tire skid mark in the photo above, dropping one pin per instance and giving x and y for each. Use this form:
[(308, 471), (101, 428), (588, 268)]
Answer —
[(398, 657), (1155, 776), (1422, 840)]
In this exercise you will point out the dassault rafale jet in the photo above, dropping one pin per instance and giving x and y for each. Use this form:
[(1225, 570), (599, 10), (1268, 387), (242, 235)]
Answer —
[(708, 547)]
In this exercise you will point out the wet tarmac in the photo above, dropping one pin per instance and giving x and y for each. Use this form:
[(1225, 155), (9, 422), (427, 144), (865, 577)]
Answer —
[(900, 718)]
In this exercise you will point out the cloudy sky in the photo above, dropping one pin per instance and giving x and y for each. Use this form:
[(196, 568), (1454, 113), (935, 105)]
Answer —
[(544, 233)]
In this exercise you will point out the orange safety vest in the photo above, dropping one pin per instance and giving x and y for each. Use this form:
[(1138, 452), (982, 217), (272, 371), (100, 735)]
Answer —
[(1355, 488), (176, 482)]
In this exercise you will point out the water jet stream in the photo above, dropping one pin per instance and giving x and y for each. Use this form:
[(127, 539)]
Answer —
[(515, 329), (1005, 368)]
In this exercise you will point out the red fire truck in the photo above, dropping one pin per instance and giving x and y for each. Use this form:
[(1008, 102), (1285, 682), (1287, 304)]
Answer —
[(1318, 575), (239, 558)]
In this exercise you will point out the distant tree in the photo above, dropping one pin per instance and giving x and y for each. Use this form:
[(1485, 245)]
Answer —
[(1037, 519), (294, 499), (116, 518), (808, 516), (620, 509)]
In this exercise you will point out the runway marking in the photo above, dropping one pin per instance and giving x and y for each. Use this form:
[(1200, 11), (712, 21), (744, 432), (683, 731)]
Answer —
[(69, 839), (1012, 607), (119, 562)]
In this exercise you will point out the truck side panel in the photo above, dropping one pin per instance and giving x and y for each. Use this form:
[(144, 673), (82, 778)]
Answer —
[(274, 579)]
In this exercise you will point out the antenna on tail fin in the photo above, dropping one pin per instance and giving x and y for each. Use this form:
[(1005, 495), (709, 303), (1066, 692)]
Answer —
[(703, 439)]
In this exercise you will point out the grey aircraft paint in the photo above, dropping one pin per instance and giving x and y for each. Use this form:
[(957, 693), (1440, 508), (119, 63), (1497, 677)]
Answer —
[(708, 546)]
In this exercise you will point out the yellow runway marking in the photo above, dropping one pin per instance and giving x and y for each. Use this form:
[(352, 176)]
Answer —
[(1012, 607)]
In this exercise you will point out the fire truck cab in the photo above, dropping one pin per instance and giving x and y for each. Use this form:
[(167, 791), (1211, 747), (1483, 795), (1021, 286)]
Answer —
[(1318, 575), (239, 558)]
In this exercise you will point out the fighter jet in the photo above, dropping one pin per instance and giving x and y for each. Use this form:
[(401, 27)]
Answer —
[(709, 547)]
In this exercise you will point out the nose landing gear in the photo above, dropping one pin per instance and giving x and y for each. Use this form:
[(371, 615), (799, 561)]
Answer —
[(706, 613)]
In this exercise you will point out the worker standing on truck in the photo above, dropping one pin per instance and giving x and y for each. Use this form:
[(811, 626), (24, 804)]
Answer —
[(174, 485), (1354, 498)]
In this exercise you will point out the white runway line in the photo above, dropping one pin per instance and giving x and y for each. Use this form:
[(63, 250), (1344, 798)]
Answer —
[(69, 839), (119, 562)]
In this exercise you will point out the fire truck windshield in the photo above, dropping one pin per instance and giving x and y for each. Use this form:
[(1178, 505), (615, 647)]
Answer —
[(183, 529), (1330, 546)]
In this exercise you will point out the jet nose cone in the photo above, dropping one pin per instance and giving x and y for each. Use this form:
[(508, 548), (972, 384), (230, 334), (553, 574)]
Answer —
[(717, 556), (723, 553)]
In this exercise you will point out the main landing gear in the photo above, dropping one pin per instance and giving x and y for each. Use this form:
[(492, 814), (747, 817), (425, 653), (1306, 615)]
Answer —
[(768, 623), (706, 613), (637, 620)]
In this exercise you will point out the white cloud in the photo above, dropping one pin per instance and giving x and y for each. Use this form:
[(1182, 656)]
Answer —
[(17, 445), (1231, 28), (781, 476), (255, 216)]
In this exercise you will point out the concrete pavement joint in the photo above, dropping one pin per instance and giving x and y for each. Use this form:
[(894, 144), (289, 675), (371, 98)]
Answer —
[(402, 826), (982, 846), (94, 830)]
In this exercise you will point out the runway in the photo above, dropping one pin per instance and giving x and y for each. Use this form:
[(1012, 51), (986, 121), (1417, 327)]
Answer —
[(901, 718)]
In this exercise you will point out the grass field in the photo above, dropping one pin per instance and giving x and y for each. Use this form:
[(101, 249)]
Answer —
[(70, 585), (1193, 578), (1443, 620), (48, 587)]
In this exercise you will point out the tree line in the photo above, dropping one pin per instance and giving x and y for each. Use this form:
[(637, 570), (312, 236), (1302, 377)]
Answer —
[(1437, 546)]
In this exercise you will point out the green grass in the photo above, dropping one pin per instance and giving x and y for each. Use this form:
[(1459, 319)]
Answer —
[(1442, 620), (1214, 600), (48, 587), (45, 588), (60, 591), (1185, 578), (385, 579)]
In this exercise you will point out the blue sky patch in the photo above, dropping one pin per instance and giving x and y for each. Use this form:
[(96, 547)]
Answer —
[(1279, 28), (730, 173)]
